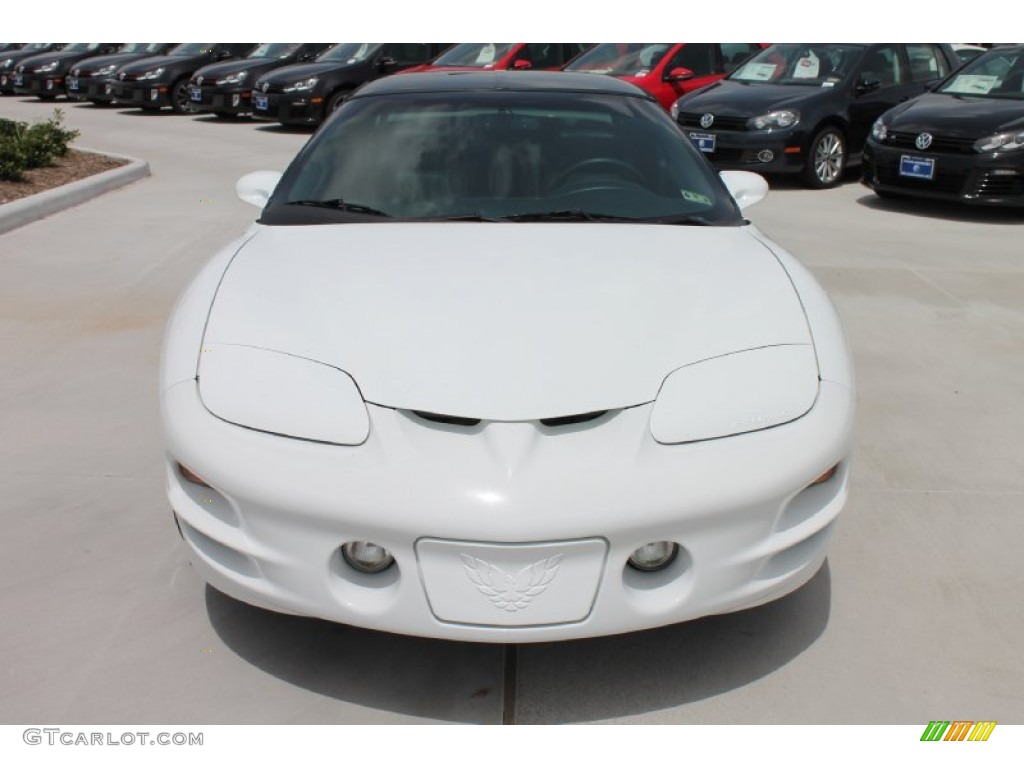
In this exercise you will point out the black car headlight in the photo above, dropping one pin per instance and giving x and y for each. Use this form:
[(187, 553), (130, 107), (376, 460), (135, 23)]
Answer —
[(879, 130), (233, 79), (1000, 142), (302, 85), (770, 121)]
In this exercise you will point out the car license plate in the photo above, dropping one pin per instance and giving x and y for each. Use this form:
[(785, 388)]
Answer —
[(197, 94), (17, 80), (260, 102), (917, 167), (72, 83), (705, 142)]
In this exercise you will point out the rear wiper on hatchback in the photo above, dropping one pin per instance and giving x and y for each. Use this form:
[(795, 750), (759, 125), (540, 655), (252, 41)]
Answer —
[(339, 204)]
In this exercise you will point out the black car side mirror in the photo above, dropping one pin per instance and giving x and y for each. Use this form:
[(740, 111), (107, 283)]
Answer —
[(384, 63), (868, 84), (222, 53)]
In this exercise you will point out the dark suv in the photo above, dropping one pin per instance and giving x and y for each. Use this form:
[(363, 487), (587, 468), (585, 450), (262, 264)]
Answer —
[(162, 81), (305, 94), (226, 88)]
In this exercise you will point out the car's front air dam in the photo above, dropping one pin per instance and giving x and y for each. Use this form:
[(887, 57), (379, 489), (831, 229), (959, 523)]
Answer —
[(269, 534)]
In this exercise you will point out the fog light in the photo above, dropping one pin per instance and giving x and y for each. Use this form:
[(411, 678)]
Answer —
[(765, 155), (366, 556), (654, 556)]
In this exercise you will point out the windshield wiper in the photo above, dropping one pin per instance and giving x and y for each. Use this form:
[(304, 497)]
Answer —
[(570, 214), (340, 205), (690, 221)]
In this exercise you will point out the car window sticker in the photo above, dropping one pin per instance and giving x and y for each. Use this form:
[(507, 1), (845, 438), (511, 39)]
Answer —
[(807, 67), (757, 71)]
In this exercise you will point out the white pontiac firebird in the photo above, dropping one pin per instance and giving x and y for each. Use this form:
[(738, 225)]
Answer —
[(502, 361)]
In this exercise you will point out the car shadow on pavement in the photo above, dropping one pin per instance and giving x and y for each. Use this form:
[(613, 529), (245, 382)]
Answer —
[(940, 209), (575, 681), (279, 128)]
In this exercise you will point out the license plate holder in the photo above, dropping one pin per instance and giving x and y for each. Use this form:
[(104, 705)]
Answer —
[(260, 102), (913, 167), (705, 142), (195, 93)]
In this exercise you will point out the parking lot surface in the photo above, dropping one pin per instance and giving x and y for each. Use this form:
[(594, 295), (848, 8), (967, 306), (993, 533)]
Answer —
[(916, 615)]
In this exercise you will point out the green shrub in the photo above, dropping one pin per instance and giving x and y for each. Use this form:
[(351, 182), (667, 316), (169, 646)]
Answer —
[(24, 146)]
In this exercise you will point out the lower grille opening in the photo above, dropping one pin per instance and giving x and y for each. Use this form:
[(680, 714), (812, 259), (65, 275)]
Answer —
[(441, 418), (576, 418)]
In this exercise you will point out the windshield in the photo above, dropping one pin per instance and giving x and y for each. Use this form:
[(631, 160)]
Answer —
[(273, 50), (623, 59), (475, 55), (350, 53), (142, 48), (820, 64), (999, 74), (191, 49), (500, 156), (80, 47)]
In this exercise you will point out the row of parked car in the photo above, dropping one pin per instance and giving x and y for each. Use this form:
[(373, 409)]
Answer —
[(917, 118)]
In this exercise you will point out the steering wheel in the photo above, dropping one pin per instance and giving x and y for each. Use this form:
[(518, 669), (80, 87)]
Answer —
[(599, 167)]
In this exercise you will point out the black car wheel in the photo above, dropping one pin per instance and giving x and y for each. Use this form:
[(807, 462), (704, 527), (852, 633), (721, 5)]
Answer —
[(826, 159), (337, 100), (180, 100)]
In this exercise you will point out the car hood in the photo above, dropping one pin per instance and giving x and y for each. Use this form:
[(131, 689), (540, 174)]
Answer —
[(962, 117), (98, 62), (152, 62), (740, 100), (295, 72), (21, 55), (252, 66), (506, 322)]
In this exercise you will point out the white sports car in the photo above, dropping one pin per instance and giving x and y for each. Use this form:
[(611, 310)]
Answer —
[(502, 361)]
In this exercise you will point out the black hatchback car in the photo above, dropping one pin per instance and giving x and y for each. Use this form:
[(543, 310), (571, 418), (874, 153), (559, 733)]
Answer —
[(305, 94), (92, 79), (43, 75), (162, 81), (226, 88), (10, 59), (963, 142), (807, 108)]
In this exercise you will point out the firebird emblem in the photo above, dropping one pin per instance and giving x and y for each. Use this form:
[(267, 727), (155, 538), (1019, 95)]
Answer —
[(507, 592)]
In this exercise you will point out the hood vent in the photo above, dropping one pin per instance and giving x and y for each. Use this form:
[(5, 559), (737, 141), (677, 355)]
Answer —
[(578, 418)]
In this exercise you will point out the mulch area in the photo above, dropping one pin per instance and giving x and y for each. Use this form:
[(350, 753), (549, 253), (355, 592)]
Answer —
[(72, 167)]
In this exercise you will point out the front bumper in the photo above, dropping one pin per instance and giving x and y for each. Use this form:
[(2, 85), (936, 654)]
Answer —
[(233, 101), (90, 88), (150, 94), (288, 108), (44, 84), (995, 179), (749, 528), (760, 151)]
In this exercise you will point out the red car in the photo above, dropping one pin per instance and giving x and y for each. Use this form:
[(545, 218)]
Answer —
[(504, 56), (665, 70)]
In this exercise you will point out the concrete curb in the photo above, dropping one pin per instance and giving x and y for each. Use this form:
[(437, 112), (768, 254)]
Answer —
[(38, 206)]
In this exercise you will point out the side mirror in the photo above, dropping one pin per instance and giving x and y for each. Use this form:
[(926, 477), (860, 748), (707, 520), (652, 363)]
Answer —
[(222, 53), (384, 63), (868, 84), (256, 188), (522, 64), (746, 188), (677, 74)]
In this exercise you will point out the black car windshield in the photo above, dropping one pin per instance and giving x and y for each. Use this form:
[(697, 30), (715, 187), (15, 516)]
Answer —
[(623, 59), (998, 74), (815, 64), (500, 156), (191, 49), (142, 48), (349, 53), (474, 55), (273, 50)]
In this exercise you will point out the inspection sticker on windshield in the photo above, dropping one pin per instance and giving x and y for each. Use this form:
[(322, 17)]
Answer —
[(695, 197), (917, 167), (705, 141)]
